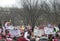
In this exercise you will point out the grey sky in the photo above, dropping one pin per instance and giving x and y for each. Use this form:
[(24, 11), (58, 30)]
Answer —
[(15, 3), (9, 3)]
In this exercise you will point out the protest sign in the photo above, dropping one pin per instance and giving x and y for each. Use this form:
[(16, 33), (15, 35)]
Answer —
[(15, 33), (41, 32), (49, 30), (38, 32)]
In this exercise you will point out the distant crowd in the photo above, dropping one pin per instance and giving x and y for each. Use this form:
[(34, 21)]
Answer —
[(50, 32)]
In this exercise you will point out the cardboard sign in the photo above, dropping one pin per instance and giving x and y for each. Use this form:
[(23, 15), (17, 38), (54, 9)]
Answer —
[(41, 32), (38, 32)]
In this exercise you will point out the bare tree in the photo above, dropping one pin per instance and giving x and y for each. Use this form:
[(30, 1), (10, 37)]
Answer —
[(33, 10), (55, 9)]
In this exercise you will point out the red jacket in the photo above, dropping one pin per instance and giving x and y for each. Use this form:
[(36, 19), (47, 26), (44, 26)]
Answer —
[(21, 39)]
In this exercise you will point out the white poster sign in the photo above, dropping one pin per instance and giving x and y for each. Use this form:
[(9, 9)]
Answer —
[(15, 33), (48, 30), (38, 32)]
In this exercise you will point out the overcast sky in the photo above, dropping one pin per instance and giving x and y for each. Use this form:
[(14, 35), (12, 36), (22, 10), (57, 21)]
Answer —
[(13, 3), (9, 3)]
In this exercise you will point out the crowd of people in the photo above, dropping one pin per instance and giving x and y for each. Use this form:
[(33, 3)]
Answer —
[(26, 34)]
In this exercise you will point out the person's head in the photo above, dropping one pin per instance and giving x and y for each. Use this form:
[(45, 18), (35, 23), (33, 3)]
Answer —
[(5, 22), (7, 31), (56, 35), (22, 34)]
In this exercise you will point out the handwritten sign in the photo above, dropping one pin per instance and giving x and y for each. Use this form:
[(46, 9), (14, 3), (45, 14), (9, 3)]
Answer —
[(15, 33), (48, 30), (38, 32)]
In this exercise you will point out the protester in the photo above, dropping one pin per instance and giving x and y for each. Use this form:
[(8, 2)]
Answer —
[(7, 34), (26, 32), (59, 26), (22, 38), (37, 38), (56, 38), (33, 38), (0, 33)]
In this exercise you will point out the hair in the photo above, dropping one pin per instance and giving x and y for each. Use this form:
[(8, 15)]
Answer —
[(56, 35), (7, 31), (22, 35)]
